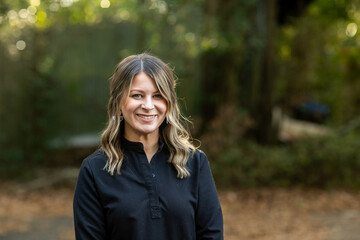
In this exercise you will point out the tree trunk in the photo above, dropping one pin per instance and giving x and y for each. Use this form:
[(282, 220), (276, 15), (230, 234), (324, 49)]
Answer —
[(141, 32), (265, 131), (218, 65)]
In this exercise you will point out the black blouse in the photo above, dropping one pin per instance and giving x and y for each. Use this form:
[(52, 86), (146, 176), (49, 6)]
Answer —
[(146, 201)]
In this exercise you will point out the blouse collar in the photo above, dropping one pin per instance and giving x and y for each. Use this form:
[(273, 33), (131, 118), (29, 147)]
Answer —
[(137, 146)]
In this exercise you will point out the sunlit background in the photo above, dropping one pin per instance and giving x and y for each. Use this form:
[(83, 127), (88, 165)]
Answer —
[(272, 88)]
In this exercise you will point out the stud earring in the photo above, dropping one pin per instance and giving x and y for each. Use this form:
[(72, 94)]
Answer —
[(121, 117)]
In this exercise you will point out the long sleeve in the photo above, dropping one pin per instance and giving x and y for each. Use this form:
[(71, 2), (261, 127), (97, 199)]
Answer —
[(209, 219), (116, 207), (88, 211)]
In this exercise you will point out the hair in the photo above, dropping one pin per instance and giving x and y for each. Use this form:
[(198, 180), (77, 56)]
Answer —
[(174, 134)]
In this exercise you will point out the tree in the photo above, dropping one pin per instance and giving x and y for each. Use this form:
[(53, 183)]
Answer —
[(243, 62)]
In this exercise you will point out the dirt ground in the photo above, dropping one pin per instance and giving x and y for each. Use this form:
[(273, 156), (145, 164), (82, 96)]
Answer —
[(248, 214)]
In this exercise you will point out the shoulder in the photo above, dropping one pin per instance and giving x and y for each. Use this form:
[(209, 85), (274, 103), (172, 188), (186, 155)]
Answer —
[(198, 155), (94, 162), (197, 159)]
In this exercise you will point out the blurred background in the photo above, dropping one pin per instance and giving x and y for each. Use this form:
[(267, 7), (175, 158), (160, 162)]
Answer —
[(272, 88)]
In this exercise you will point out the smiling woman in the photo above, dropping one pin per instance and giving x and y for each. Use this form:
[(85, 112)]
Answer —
[(139, 77), (143, 111), (147, 181)]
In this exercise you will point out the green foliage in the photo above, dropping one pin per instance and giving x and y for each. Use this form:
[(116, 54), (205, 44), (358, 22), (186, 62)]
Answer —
[(331, 162), (318, 59), (56, 57)]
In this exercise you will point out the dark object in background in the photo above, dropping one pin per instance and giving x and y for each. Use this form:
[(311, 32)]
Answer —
[(312, 111), (288, 10)]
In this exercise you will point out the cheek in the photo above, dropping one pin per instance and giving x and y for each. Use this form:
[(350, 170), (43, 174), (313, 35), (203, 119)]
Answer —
[(164, 107), (129, 105)]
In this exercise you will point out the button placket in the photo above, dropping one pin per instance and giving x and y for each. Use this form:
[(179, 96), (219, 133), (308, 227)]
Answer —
[(150, 181)]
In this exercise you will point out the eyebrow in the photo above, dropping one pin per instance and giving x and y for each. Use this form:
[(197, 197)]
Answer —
[(139, 90)]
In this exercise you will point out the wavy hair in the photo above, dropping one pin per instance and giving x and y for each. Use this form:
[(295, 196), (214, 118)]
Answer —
[(174, 134)]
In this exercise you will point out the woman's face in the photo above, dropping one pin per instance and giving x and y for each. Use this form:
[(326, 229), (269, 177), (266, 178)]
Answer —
[(144, 109)]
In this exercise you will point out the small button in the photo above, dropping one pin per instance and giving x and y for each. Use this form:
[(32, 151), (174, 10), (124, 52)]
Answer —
[(153, 175), (155, 212)]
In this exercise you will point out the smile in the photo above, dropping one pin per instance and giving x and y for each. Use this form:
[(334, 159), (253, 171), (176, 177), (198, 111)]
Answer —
[(147, 117)]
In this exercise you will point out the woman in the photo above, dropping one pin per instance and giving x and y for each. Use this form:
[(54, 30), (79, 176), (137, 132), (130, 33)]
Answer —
[(147, 182)]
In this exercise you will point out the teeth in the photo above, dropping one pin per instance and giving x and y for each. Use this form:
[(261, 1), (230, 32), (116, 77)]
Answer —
[(146, 117)]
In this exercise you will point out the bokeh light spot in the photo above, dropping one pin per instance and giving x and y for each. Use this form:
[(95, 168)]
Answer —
[(190, 37), (12, 14), (20, 45), (66, 3), (32, 10), (54, 7), (23, 13), (105, 3), (35, 3), (351, 29)]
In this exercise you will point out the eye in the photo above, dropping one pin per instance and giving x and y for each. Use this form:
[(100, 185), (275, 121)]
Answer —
[(136, 96), (158, 96)]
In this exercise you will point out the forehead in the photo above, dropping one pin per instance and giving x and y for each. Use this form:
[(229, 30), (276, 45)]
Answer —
[(144, 82)]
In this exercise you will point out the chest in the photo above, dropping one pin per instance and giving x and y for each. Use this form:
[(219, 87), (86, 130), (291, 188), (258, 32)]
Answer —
[(146, 192)]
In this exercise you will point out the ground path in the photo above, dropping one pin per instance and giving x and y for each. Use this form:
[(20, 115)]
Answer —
[(249, 214)]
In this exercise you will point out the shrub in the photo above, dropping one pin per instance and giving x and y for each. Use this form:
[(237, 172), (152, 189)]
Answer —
[(332, 162)]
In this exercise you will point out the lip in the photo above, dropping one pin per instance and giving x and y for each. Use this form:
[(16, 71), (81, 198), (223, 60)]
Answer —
[(146, 117)]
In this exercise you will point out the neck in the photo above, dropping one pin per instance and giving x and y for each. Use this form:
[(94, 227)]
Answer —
[(149, 141), (150, 149)]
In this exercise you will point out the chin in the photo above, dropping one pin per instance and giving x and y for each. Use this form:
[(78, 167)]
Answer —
[(148, 130)]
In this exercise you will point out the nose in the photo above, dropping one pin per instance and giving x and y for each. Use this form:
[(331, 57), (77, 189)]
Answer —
[(148, 103)]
